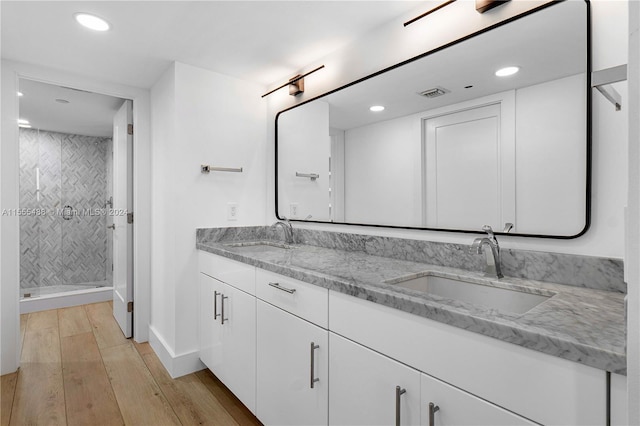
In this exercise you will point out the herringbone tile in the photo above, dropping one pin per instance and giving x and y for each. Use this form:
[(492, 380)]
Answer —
[(73, 172)]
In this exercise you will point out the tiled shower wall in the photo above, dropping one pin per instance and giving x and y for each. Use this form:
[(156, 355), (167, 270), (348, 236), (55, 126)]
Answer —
[(73, 172)]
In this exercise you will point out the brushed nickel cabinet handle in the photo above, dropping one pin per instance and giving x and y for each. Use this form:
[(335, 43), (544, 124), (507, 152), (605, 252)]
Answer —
[(279, 287), (433, 408), (399, 392), (313, 367), (222, 318), (215, 305)]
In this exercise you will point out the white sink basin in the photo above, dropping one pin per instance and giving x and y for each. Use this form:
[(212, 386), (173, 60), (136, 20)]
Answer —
[(260, 244), (504, 300)]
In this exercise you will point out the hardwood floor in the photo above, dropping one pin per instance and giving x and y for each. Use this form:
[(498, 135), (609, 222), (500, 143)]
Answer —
[(78, 369)]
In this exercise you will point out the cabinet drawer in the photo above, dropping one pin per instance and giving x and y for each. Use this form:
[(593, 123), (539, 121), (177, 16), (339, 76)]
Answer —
[(237, 274), (305, 300), (541, 387), (449, 406)]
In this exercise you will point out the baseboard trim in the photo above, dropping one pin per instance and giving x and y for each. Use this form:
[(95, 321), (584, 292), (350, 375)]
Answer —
[(176, 365)]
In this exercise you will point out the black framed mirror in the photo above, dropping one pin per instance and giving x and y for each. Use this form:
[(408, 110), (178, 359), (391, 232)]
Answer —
[(445, 142)]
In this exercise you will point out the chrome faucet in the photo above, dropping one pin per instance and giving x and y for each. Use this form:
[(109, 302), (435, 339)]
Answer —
[(493, 268), (287, 228)]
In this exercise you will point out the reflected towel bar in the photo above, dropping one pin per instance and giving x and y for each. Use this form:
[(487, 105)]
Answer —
[(602, 80), (206, 169), (312, 176)]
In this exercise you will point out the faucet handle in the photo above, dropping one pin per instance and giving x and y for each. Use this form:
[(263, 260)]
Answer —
[(488, 230)]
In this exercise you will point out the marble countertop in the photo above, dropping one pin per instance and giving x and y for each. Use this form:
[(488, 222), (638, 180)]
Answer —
[(578, 324)]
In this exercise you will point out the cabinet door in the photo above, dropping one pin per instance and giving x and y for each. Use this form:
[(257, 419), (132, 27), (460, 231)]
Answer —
[(452, 406), (210, 333), (228, 347), (286, 366), (364, 386), (236, 367)]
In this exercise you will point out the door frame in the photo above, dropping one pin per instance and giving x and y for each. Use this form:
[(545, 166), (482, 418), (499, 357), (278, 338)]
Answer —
[(10, 343)]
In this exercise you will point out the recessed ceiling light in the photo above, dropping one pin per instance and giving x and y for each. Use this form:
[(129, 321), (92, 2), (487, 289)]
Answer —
[(25, 126), (92, 22), (20, 94), (507, 71), (62, 101), (376, 108), (22, 121)]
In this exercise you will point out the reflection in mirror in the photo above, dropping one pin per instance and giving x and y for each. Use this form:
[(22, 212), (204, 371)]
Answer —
[(456, 146)]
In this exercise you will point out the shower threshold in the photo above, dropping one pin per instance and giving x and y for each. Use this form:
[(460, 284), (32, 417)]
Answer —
[(64, 296)]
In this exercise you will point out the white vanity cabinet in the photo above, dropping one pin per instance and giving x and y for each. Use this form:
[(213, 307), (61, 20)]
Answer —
[(293, 351), (368, 388), (228, 325), (292, 379), (543, 388), (298, 354)]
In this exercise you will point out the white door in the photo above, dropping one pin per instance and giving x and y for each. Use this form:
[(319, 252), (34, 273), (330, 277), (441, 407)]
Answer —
[(364, 387), (286, 364), (468, 168), (122, 230)]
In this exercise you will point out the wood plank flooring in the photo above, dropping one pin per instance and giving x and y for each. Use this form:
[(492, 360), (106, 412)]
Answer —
[(78, 369)]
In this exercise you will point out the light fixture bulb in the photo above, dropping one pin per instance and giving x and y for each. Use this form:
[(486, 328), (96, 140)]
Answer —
[(25, 126), (92, 22), (20, 94), (22, 121), (507, 71), (376, 108)]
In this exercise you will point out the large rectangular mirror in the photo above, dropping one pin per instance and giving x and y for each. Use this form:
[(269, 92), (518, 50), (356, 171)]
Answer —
[(453, 146)]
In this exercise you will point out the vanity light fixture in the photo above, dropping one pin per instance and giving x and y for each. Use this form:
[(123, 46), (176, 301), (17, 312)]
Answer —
[(62, 101), (22, 121), (296, 84), (428, 12), (24, 126), (92, 22), (483, 6), (507, 71), (376, 108)]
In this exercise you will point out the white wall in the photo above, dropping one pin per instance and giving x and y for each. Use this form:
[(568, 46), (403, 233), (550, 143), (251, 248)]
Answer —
[(550, 157), (304, 146), (382, 170), (199, 117), (393, 43)]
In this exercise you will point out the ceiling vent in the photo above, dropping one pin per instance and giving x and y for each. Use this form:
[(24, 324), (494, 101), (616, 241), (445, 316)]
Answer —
[(434, 93)]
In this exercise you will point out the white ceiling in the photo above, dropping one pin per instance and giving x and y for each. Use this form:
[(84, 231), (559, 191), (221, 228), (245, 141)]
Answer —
[(258, 41), (89, 114)]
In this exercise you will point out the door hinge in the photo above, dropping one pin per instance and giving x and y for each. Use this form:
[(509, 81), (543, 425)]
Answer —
[(129, 129), (130, 217), (130, 307)]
